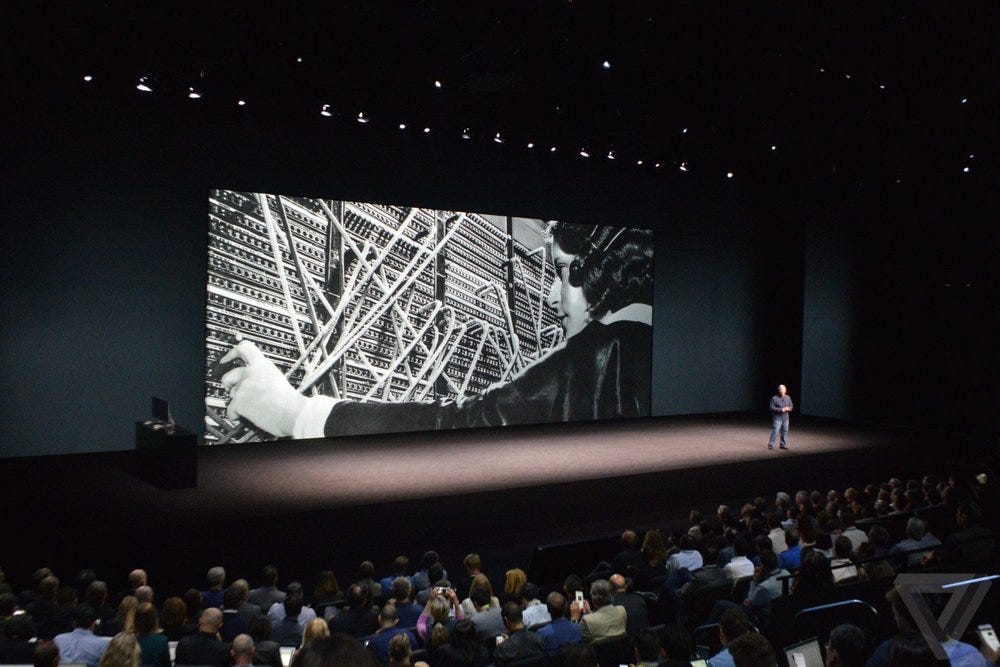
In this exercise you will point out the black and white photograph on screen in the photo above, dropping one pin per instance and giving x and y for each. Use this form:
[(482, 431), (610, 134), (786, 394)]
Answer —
[(330, 318)]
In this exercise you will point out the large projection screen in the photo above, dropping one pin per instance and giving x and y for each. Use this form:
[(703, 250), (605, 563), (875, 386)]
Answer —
[(409, 318)]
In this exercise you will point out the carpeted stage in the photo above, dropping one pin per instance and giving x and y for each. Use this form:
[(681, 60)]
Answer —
[(329, 504)]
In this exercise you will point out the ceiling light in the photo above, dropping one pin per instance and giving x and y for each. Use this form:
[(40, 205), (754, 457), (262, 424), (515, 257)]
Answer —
[(362, 118), (192, 93), (144, 84), (325, 111)]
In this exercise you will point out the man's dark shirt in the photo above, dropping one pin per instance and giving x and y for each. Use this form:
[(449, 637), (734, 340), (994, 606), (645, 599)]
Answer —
[(14, 652), (202, 649), (408, 614), (637, 614), (519, 645), (356, 621)]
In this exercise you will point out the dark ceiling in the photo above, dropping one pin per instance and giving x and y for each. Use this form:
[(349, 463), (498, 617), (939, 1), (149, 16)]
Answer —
[(740, 77)]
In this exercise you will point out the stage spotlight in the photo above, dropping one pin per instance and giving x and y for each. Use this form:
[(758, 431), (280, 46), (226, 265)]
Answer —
[(965, 170), (684, 131), (465, 134), (193, 94), (299, 59), (242, 103), (729, 174), (402, 126), (584, 153), (774, 148), (145, 85), (88, 78), (611, 155), (684, 166), (498, 139), (437, 84), (638, 163), (606, 65), (325, 111), (531, 144), (362, 118), (427, 130), (656, 166), (552, 150)]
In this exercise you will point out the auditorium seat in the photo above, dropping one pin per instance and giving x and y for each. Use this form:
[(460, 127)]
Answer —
[(819, 620), (614, 651)]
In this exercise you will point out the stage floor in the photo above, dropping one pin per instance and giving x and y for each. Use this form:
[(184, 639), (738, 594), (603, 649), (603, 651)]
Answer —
[(318, 504)]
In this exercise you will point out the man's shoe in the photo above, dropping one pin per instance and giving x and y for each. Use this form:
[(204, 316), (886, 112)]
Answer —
[(784, 447), (770, 446)]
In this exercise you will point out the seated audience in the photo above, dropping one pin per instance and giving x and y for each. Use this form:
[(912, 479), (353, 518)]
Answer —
[(561, 630), (366, 577), (740, 566), (518, 642), (122, 651), (16, 647), (732, 625), (388, 629), (687, 556), (513, 580), (358, 619), (46, 654), (435, 623), (752, 650), (473, 565), (917, 537), (205, 647), (647, 649), (534, 612), (294, 600), (216, 578), (327, 592), (236, 614), (81, 645), (847, 647), (421, 580), (791, 557), (267, 652), (152, 643), (267, 594), (174, 620), (400, 568), (242, 650), (406, 610), (630, 556), (480, 582), (636, 610), (599, 618), (464, 650), (401, 653), (842, 551)]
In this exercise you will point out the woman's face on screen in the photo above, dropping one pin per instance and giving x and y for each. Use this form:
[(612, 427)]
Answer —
[(567, 301)]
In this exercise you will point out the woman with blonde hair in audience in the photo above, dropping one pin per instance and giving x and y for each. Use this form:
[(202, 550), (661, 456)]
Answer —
[(480, 581), (435, 623), (513, 581), (315, 629), (153, 644), (124, 621), (122, 651)]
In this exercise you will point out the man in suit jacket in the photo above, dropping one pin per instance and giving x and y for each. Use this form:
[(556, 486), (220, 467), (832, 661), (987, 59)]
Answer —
[(236, 614), (637, 614), (204, 648), (606, 620)]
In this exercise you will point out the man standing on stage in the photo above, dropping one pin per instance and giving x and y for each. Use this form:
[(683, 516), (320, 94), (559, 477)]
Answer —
[(781, 405)]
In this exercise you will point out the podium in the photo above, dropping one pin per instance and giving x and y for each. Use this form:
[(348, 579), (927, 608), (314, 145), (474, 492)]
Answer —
[(167, 459)]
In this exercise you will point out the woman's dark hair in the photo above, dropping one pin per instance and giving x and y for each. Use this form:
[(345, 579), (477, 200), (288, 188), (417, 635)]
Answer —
[(613, 265), (465, 640)]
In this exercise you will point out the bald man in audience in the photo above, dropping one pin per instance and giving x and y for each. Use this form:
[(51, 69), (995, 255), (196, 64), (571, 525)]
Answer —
[(242, 651), (205, 647), (637, 614)]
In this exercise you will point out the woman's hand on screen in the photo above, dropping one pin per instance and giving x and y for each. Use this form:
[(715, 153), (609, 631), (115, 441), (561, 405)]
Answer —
[(259, 392)]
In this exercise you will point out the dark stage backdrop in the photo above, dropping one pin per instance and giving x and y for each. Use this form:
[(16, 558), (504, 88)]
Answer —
[(104, 261)]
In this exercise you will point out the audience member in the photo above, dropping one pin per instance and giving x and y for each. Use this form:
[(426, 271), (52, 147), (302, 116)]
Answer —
[(15, 643), (421, 580), (636, 610), (740, 566), (366, 577), (406, 610), (327, 592), (122, 651), (174, 620), (841, 565), (123, 621), (216, 579), (647, 649), (439, 616), (267, 652), (846, 647), (791, 557), (732, 625), (513, 580), (917, 537), (630, 556), (480, 582), (267, 594), (389, 627), (752, 650), (358, 619), (598, 618), (561, 630), (464, 650), (204, 647), (152, 643), (236, 617), (96, 597), (473, 565), (533, 611), (242, 650), (518, 643), (46, 654), (400, 568), (401, 653), (850, 531), (675, 647), (80, 645), (289, 626)]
